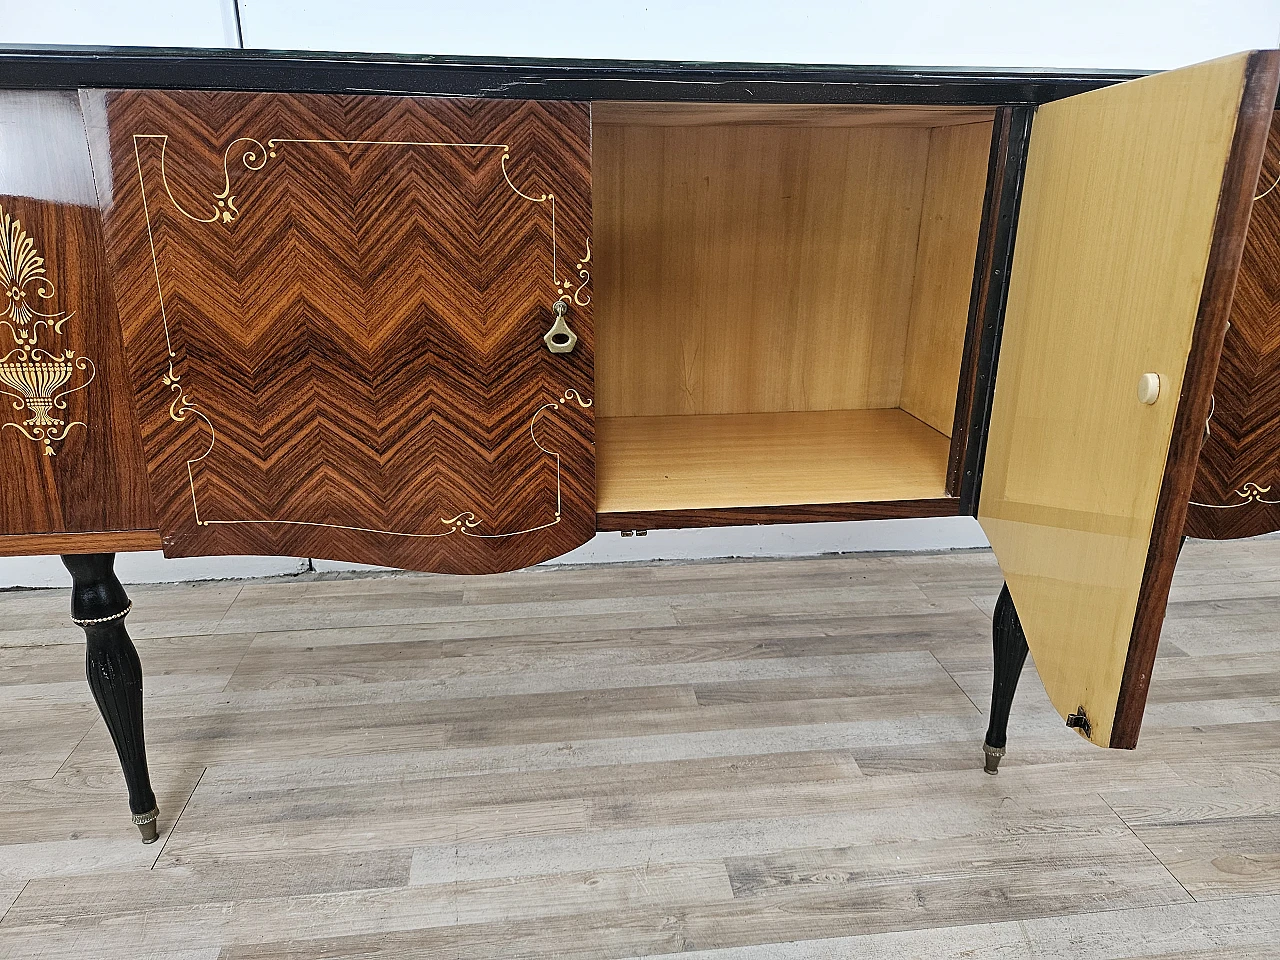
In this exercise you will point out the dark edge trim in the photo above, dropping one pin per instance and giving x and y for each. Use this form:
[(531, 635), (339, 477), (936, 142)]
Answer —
[(751, 516), (991, 286), (534, 78), (1231, 223), (977, 295)]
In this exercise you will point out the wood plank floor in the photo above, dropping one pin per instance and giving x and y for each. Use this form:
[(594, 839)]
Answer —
[(758, 760)]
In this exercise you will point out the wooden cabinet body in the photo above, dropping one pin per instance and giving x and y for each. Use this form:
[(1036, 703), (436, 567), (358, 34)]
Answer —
[(824, 295), (1237, 486)]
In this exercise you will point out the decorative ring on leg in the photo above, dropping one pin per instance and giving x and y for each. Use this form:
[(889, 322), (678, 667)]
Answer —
[(115, 616), (992, 755), (146, 824)]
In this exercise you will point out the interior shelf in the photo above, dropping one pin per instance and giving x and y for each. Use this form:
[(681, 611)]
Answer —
[(689, 462)]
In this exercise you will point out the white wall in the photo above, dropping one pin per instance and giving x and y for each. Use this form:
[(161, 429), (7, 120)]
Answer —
[(119, 23), (1009, 33)]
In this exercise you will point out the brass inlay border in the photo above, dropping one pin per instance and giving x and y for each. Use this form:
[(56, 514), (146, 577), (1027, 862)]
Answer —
[(466, 528), (1249, 493), (584, 274), (37, 374), (226, 212)]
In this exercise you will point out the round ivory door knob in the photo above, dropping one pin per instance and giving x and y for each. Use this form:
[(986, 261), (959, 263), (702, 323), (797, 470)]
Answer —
[(1149, 388)]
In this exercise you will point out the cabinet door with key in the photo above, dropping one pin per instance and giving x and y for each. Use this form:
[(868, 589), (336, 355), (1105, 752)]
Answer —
[(358, 327)]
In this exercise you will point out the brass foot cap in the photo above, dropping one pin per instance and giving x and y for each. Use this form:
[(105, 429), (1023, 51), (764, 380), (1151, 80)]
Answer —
[(992, 755), (146, 824)]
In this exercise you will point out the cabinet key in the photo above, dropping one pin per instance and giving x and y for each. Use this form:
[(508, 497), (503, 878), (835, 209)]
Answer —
[(560, 339)]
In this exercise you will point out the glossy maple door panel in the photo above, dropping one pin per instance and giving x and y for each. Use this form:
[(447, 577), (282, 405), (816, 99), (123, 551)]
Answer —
[(1237, 487), (1129, 237), (334, 310), (69, 451)]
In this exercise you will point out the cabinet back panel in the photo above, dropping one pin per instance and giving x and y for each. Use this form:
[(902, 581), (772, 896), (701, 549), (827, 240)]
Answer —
[(949, 223), (745, 269)]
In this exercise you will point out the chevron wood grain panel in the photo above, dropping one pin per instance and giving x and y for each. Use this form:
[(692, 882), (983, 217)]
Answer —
[(334, 309), (1237, 485), (69, 452)]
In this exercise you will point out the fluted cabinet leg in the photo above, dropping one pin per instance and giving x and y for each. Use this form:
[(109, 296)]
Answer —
[(99, 605), (1010, 645)]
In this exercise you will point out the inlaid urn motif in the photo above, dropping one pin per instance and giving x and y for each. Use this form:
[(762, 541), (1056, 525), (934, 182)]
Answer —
[(39, 376), (37, 379)]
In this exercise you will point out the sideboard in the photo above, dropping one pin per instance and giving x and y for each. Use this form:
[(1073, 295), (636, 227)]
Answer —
[(459, 314)]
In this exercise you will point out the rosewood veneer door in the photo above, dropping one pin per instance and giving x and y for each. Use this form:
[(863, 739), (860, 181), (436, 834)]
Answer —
[(1129, 238), (334, 310), (1237, 487)]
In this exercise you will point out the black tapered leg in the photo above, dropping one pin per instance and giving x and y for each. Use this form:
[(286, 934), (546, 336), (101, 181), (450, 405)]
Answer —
[(99, 605), (1010, 654)]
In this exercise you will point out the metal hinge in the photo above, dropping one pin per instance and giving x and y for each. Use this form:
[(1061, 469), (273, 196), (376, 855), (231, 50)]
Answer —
[(1080, 721)]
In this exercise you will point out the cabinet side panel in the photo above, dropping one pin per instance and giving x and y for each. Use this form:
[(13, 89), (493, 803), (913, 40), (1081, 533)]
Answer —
[(1116, 228), (69, 447), (1237, 486), (949, 224)]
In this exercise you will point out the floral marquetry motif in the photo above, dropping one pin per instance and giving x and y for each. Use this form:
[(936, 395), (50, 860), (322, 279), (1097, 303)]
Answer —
[(36, 377), (23, 274)]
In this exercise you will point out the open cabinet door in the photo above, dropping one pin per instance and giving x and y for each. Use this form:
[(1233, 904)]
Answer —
[(1133, 217)]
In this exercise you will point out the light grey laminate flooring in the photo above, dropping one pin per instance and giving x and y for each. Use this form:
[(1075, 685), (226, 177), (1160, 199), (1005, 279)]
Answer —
[(758, 760)]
